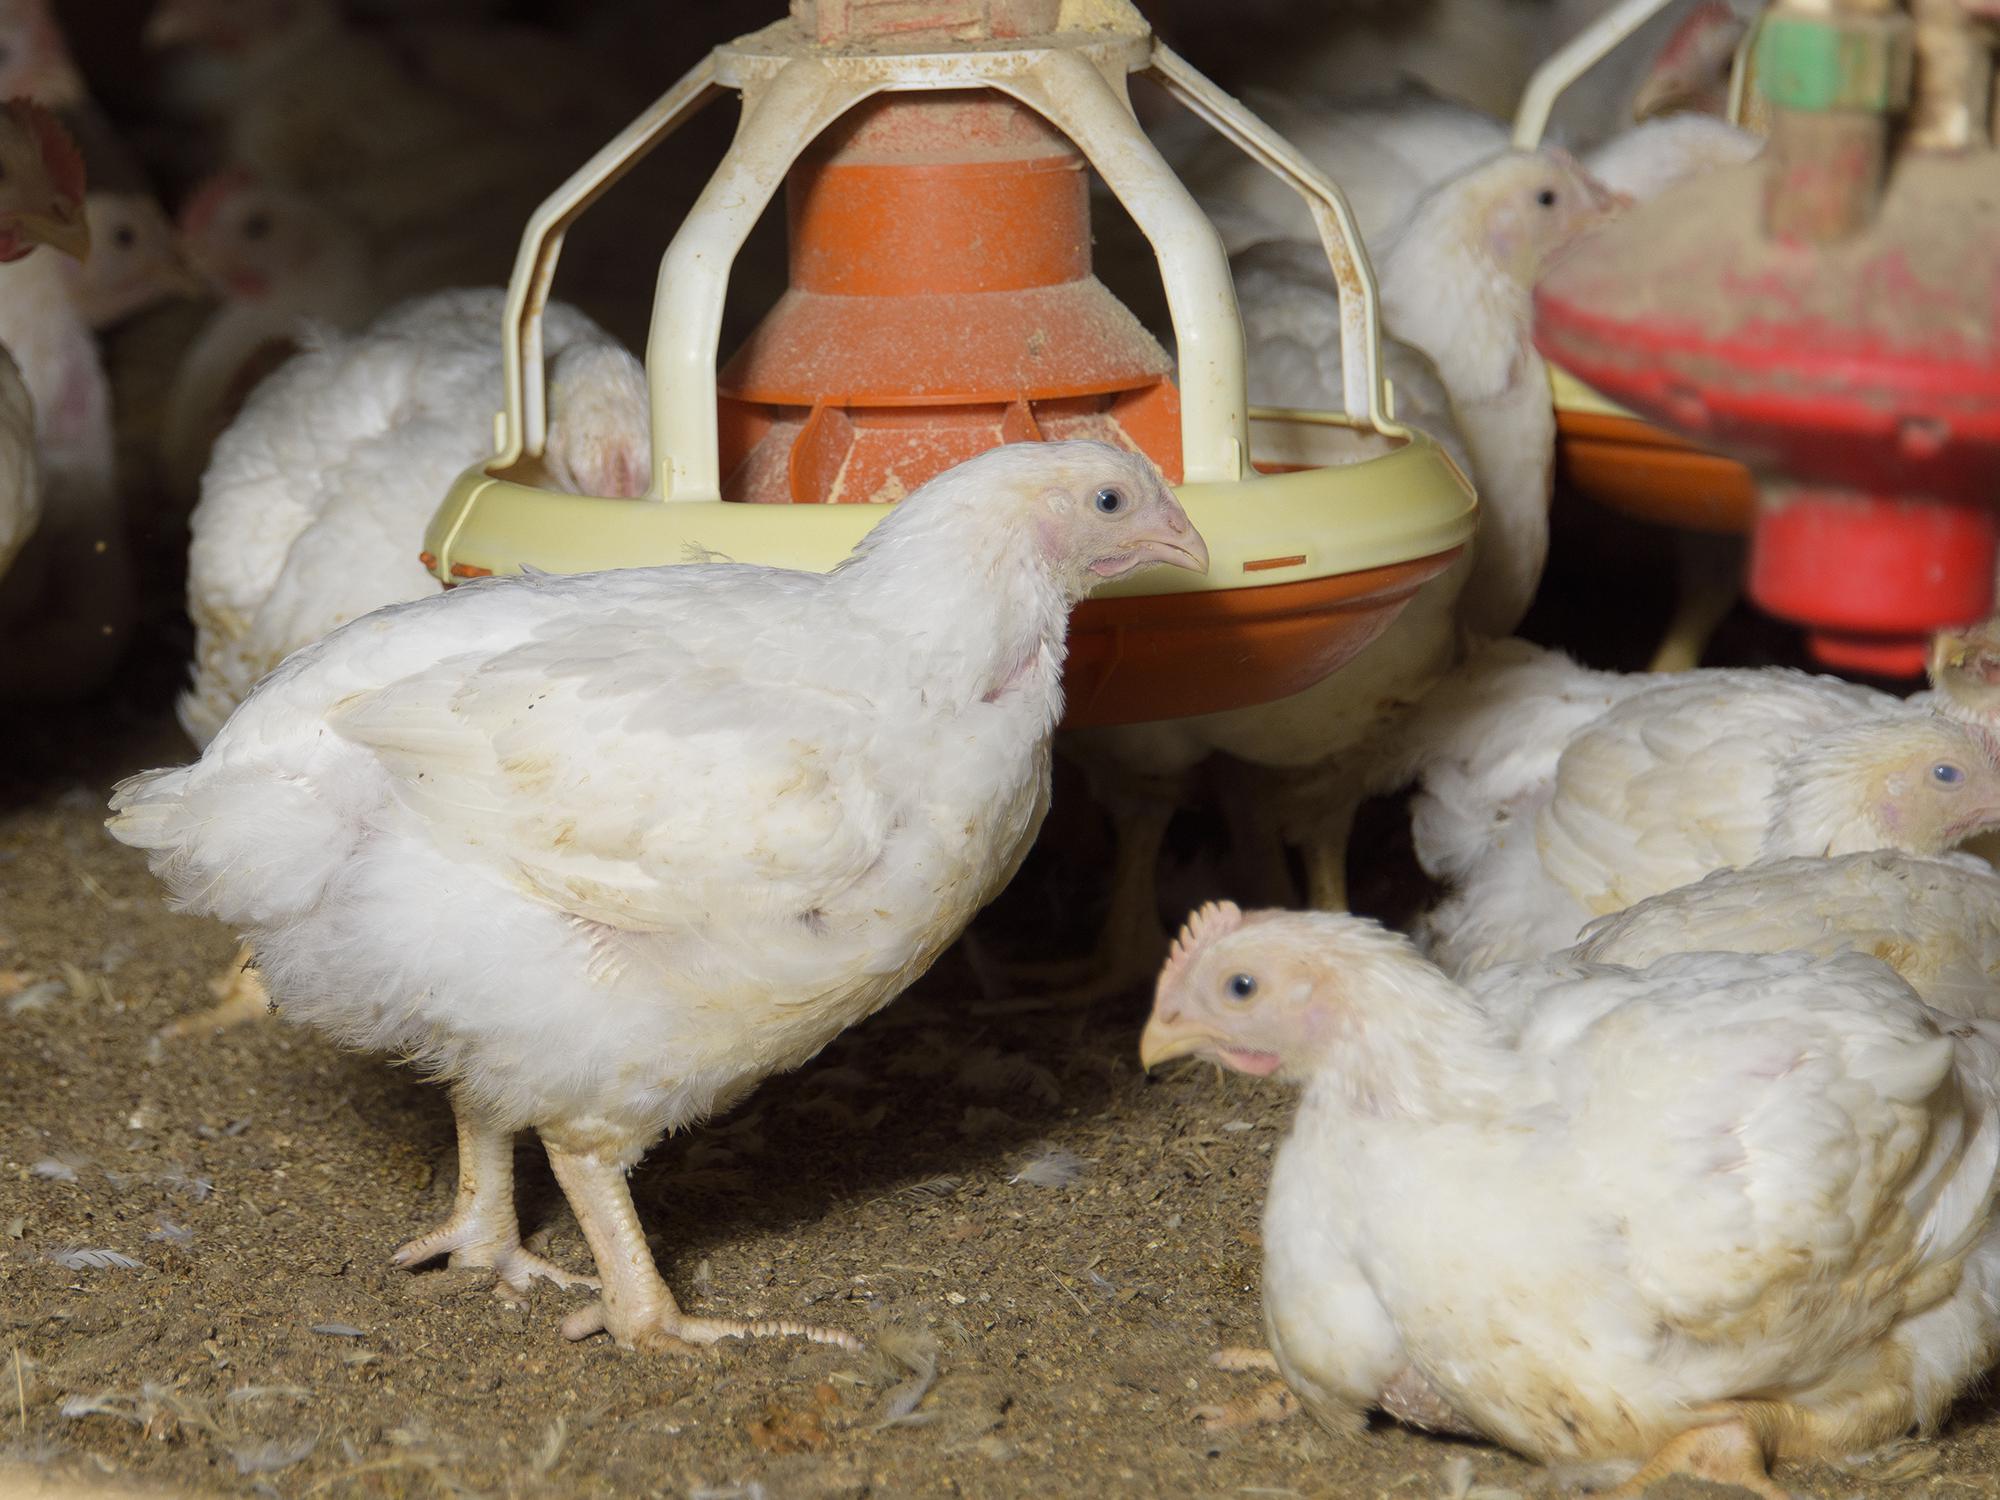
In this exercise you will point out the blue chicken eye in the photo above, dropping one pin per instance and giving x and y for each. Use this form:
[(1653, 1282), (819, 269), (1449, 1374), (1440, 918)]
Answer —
[(1242, 986), (1946, 774), (1109, 502)]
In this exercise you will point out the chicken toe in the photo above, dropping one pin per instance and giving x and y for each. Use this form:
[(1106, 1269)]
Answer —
[(1725, 1452), (636, 1309), (239, 996), (483, 1229), (1271, 1403)]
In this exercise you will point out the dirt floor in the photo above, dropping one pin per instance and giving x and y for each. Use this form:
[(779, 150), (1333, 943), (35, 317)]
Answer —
[(1043, 1246)]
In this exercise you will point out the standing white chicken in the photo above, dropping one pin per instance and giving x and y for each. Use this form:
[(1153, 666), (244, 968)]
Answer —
[(1556, 820), (604, 851), (1936, 922), (41, 203), (1456, 282), (1685, 1218), (313, 510)]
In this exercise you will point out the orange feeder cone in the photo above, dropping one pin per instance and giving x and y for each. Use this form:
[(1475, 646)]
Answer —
[(941, 303)]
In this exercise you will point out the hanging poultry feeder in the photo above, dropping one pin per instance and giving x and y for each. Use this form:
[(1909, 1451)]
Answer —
[(942, 302), (1829, 314), (1604, 451)]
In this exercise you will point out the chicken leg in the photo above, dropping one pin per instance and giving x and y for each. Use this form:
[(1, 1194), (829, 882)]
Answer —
[(1315, 807), (239, 996), (1724, 1452), (1131, 943), (1708, 580), (483, 1229), (636, 1309)]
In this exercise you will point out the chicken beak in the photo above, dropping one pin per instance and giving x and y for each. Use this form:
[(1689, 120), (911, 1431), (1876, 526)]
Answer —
[(67, 232), (1162, 1041), (1173, 541)]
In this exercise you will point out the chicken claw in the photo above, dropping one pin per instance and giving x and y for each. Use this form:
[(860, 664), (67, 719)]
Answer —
[(483, 1230), (1271, 1403), (240, 996), (1241, 1358), (1725, 1452), (637, 1310)]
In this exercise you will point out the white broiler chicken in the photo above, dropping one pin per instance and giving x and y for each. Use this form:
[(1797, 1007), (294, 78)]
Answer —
[(1687, 1217), (1386, 151), (603, 851), (67, 600), (1681, 775), (1936, 922), (1658, 154), (41, 202), (1456, 282), (313, 509), (278, 261)]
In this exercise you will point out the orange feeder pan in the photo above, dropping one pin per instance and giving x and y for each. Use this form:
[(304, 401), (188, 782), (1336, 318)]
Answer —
[(1626, 463), (941, 302)]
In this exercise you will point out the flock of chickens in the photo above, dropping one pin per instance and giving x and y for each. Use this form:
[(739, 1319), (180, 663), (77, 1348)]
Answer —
[(1668, 1141)]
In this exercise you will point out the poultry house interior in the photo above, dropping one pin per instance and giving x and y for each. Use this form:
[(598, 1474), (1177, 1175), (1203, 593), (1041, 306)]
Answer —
[(1578, 1066)]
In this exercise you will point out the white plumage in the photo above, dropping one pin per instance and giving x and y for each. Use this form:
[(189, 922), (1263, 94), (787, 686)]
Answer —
[(1456, 280), (604, 851), (1563, 794), (1936, 922), (1749, 1194), (1385, 152), (313, 509), (1651, 157)]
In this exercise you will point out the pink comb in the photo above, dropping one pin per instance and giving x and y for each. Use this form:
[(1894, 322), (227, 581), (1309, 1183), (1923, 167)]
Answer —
[(1216, 919), (201, 208)]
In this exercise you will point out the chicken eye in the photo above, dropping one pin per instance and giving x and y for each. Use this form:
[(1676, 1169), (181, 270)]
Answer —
[(256, 226), (1546, 197), (1944, 773), (1109, 502), (124, 237), (1241, 986)]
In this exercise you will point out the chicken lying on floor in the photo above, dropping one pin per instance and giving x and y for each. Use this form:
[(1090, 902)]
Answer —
[(313, 510), (602, 852), (1689, 1217), (1543, 807)]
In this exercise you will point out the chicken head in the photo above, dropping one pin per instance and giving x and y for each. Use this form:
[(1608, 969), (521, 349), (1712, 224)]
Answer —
[(1965, 668), (1236, 992), (1923, 784), (41, 184), (247, 238), (599, 413), (135, 261)]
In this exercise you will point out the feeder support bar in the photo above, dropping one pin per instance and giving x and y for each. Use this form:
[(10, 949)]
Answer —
[(1194, 269), (780, 119), (1363, 394), (523, 421), (1571, 61)]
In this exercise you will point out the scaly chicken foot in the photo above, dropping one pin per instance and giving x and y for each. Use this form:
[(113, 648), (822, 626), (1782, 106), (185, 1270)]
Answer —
[(636, 1309), (1271, 1403), (239, 995), (1725, 1452), (483, 1229)]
